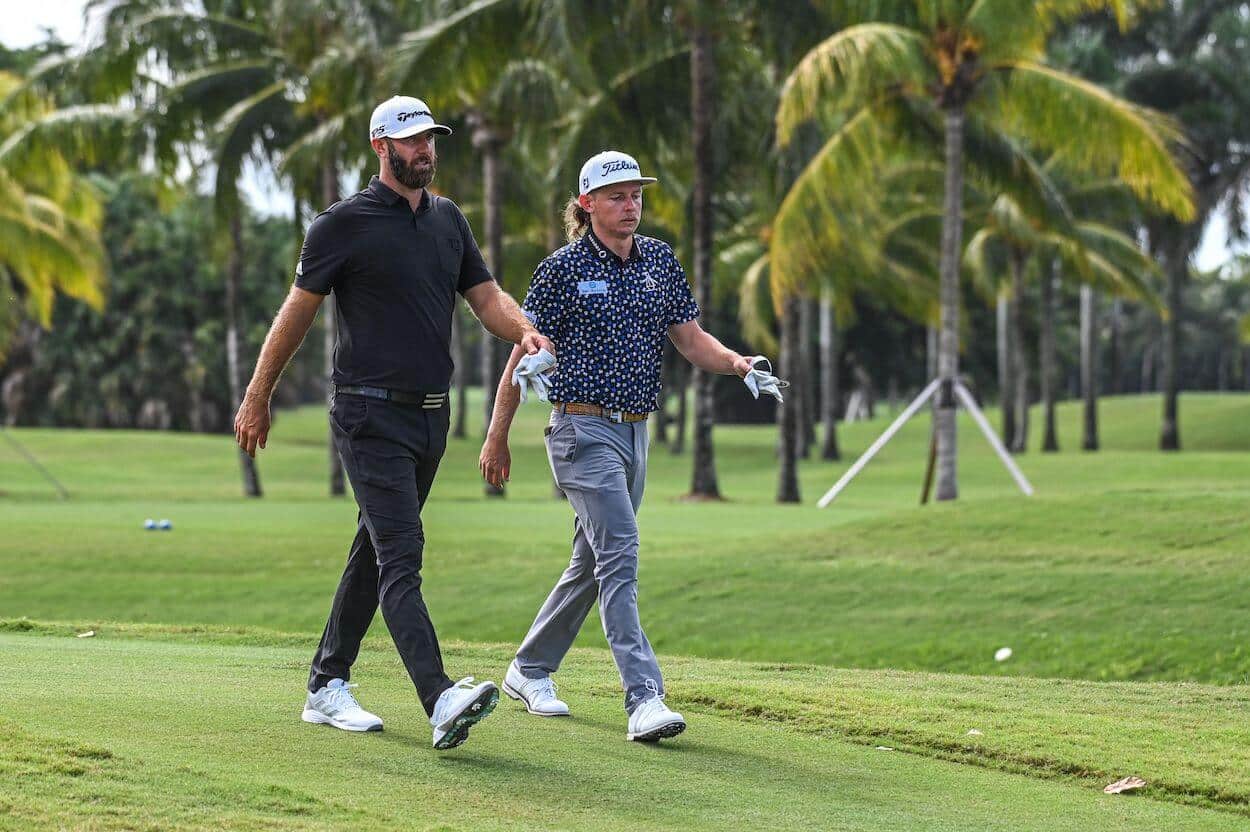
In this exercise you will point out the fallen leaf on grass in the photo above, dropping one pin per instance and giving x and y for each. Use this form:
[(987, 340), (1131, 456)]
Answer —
[(1127, 784)]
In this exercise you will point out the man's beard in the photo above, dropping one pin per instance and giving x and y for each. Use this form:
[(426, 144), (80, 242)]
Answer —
[(408, 174)]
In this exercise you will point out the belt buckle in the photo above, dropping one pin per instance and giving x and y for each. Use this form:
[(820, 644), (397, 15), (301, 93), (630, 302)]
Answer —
[(617, 416)]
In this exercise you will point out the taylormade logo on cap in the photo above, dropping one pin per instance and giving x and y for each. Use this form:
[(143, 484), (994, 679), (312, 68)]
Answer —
[(403, 116), (608, 168)]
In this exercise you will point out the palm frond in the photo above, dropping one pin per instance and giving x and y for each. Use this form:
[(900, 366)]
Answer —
[(241, 131), (756, 312), (821, 217), (1096, 132), (855, 65)]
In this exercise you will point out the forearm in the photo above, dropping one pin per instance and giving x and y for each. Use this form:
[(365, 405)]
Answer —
[(503, 318), (706, 352), (285, 335), (507, 400)]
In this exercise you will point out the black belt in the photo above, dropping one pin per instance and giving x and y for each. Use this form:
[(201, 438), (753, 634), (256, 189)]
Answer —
[(429, 401)]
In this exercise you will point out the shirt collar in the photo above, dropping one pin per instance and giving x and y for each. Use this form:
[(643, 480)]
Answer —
[(389, 197), (602, 252)]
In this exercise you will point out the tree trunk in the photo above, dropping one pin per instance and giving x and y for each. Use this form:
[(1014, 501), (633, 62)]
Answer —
[(234, 280), (1115, 347), (931, 352), (1050, 439), (807, 376), (460, 378), (659, 428), (702, 98), (1170, 435), (1020, 441), (948, 344), (1006, 366), (1089, 366), (683, 409), (829, 392), (789, 412), (488, 142), (330, 318)]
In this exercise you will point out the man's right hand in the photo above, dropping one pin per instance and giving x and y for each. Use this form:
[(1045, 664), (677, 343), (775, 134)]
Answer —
[(495, 463), (251, 424)]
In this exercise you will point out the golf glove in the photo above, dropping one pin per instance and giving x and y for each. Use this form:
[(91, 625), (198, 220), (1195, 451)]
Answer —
[(762, 380), (531, 372)]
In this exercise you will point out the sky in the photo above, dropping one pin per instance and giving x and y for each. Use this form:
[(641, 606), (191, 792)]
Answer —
[(24, 22)]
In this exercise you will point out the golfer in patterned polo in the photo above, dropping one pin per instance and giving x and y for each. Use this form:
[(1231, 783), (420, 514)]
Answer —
[(607, 300)]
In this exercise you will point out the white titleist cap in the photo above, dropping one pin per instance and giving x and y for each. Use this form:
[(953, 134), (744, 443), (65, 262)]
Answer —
[(608, 168), (402, 116)]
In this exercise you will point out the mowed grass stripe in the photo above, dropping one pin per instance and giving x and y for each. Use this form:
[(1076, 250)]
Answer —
[(163, 732)]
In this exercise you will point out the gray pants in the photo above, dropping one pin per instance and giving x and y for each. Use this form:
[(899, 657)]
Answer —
[(602, 466)]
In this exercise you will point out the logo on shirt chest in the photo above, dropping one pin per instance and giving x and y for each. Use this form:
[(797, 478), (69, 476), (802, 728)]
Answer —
[(650, 284), (592, 287)]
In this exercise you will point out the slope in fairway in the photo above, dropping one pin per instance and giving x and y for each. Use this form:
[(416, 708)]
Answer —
[(1128, 565)]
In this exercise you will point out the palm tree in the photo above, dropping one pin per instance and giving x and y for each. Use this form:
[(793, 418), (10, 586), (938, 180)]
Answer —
[(50, 214), (962, 76), (1062, 247), (1189, 58)]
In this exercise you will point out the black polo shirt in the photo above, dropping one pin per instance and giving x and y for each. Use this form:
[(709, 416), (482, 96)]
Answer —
[(394, 273)]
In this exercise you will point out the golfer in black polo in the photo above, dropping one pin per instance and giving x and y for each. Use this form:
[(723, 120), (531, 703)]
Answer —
[(395, 256)]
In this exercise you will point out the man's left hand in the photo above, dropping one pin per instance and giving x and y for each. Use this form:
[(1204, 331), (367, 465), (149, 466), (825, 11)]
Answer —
[(533, 341)]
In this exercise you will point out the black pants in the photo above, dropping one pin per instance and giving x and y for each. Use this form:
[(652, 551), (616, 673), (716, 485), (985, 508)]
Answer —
[(390, 452)]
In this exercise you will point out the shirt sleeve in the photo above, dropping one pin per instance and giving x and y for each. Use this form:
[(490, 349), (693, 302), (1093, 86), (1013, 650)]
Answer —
[(684, 306), (323, 254), (543, 303), (473, 268)]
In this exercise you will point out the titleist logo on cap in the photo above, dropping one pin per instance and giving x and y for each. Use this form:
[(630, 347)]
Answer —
[(620, 164)]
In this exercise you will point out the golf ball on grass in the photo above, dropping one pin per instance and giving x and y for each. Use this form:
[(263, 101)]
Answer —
[(1002, 654)]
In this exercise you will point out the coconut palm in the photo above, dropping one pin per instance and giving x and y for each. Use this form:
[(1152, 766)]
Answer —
[(1191, 59), (50, 214), (966, 83), (1093, 253)]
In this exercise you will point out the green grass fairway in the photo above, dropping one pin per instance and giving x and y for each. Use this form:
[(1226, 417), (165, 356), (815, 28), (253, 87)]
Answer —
[(150, 730), (796, 640)]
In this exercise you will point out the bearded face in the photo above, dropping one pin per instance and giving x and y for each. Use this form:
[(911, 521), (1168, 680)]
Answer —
[(413, 165)]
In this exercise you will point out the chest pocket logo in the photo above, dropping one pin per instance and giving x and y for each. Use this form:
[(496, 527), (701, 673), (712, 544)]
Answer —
[(450, 254), (650, 284)]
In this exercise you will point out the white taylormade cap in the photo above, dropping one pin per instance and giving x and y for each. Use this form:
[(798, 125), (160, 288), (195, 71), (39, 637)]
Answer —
[(608, 168), (402, 116)]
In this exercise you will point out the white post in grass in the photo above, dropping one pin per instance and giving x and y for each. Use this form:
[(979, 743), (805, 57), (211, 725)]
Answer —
[(965, 398), (867, 456)]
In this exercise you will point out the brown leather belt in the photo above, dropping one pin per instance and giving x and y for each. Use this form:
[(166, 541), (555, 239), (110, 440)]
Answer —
[(580, 409)]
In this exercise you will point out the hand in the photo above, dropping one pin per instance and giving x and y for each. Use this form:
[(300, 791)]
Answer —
[(495, 462), (533, 341), (742, 366), (251, 424)]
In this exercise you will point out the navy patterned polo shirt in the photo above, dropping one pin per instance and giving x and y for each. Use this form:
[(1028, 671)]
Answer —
[(608, 319)]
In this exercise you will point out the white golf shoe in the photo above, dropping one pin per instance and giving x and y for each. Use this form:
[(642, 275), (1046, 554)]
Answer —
[(335, 705), (653, 721), (539, 695), (460, 708)]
